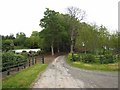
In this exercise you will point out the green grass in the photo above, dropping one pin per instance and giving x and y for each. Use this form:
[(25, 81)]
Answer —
[(25, 78), (94, 66)]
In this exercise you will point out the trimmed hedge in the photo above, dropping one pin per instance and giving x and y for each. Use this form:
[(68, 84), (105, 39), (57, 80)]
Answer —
[(10, 60)]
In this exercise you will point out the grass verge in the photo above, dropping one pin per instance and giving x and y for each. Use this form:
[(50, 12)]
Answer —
[(94, 66), (23, 79)]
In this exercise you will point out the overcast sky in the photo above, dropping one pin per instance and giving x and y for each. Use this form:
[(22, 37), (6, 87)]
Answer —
[(24, 15)]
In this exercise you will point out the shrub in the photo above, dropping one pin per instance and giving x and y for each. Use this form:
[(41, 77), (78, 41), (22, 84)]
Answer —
[(9, 60), (89, 58), (75, 57), (105, 59)]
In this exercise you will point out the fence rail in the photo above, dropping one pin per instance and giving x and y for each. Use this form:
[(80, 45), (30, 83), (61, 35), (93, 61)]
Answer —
[(8, 67)]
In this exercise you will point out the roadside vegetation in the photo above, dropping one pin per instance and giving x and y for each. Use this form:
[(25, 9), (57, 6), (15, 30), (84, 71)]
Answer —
[(94, 62), (24, 78), (11, 60), (62, 33)]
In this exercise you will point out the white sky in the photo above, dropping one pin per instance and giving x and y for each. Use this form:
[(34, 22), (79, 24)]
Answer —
[(24, 15)]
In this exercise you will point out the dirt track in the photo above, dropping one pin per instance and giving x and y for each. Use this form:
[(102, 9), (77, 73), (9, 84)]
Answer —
[(60, 75)]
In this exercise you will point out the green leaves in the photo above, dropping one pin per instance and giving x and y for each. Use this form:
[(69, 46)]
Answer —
[(54, 34), (10, 59), (7, 45)]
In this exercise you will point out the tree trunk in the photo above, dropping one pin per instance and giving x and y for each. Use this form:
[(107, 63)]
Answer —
[(71, 48), (72, 43), (52, 49), (58, 50)]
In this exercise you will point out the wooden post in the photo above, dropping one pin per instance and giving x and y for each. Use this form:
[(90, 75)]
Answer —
[(32, 60), (42, 59), (35, 61), (18, 68), (29, 62), (8, 72), (25, 65)]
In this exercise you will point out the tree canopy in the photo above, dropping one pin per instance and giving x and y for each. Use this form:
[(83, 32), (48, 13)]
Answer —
[(65, 33)]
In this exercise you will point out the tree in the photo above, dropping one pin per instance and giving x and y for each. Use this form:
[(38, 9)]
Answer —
[(20, 39), (53, 29), (103, 38), (7, 45), (11, 36), (76, 15), (114, 42), (87, 35), (7, 42), (34, 39)]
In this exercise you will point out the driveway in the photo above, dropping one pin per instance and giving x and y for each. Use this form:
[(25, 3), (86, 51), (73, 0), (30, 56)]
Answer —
[(60, 75)]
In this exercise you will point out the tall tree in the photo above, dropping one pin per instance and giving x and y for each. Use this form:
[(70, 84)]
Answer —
[(7, 45), (76, 15), (52, 29), (34, 39), (20, 39)]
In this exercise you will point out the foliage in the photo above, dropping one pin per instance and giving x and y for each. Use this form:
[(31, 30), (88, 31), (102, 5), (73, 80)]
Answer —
[(93, 66), (88, 58), (76, 15), (62, 32), (10, 60), (7, 45), (92, 58), (34, 39), (20, 39), (105, 59), (54, 32), (75, 57)]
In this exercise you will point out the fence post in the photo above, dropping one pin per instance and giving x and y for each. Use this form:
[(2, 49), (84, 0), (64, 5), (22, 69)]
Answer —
[(18, 66), (25, 65), (32, 60), (35, 60), (29, 62), (8, 69), (8, 72), (42, 59)]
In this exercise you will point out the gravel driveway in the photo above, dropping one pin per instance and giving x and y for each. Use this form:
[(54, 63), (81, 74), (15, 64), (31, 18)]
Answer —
[(60, 75)]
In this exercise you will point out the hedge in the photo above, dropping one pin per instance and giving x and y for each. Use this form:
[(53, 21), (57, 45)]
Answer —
[(90, 58), (105, 59), (11, 60)]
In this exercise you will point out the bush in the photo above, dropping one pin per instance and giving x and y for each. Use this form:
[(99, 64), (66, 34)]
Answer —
[(75, 57), (9, 60), (105, 59), (89, 58)]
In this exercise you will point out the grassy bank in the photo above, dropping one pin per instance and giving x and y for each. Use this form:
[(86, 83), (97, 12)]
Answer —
[(94, 66), (23, 79)]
